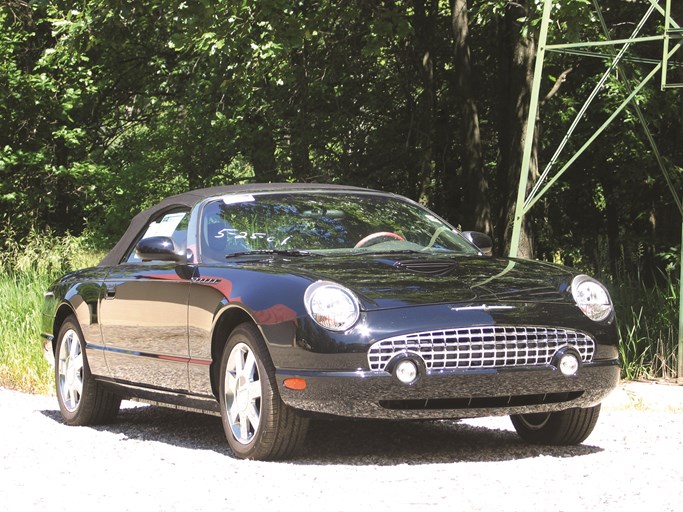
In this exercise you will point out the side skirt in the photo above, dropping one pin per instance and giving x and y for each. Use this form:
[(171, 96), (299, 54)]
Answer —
[(164, 398)]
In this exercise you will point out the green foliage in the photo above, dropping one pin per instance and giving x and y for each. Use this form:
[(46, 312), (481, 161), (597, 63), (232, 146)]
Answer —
[(647, 316), (48, 255), (26, 271), (22, 363), (108, 106)]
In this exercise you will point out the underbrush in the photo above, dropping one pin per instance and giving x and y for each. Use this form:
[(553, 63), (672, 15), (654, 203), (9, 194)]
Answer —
[(647, 316), (26, 271)]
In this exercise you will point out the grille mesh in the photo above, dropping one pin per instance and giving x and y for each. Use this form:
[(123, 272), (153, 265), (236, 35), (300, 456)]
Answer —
[(482, 347)]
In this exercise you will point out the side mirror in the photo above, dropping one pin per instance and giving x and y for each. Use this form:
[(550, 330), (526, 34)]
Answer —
[(481, 240), (158, 248)]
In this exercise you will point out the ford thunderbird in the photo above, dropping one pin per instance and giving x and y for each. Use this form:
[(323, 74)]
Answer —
[(272, 304)]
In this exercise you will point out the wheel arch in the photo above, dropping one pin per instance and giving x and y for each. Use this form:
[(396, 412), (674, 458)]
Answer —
[(228, 320), (63, 312)]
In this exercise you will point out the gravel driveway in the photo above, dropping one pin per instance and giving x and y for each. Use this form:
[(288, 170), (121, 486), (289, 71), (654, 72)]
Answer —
[(161, 459)]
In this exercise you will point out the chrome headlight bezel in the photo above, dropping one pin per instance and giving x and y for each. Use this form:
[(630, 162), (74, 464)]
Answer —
[(592, 298), (332, 306)]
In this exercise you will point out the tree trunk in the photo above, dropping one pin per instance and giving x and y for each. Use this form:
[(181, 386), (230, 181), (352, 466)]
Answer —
[(424, 21), (478, 214), (610, 187), (300, 124), (516, 78), (262, 147)]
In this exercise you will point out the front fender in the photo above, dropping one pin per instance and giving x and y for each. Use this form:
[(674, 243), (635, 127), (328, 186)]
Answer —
[(223, 297)]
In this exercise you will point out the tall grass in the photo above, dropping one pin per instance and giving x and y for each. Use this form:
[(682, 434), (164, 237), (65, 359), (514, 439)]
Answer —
[(26, 271), (22, 365), (647, 315)]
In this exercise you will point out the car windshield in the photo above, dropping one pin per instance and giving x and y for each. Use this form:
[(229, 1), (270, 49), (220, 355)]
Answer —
[(323, 223)]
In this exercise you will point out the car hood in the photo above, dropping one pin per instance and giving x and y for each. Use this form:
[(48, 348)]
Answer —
[(389, 281)]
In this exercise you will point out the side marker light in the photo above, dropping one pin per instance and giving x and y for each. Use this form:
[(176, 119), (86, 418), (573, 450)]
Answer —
[(295, 383)]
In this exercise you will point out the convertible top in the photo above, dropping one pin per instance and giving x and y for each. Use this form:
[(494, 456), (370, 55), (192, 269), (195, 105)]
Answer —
[(193, 197)]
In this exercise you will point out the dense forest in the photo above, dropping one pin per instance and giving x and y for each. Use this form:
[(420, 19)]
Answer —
[(107, 106)]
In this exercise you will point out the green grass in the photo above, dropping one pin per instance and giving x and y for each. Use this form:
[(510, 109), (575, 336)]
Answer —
[(26, 271), (22, 364), (647, 313), (648, 326)]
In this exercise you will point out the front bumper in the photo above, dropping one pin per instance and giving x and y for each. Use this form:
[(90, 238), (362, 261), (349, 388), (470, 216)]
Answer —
[(449, 394)]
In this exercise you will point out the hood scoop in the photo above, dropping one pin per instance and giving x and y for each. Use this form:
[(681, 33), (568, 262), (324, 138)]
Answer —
[(437, 268)]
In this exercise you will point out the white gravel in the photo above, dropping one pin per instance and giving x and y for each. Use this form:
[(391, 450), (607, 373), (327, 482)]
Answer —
[(160, 459)]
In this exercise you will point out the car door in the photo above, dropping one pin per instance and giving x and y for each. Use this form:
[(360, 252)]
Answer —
[(144, 313)]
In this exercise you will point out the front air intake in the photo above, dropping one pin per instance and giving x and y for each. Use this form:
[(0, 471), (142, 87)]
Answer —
[(482, 347)]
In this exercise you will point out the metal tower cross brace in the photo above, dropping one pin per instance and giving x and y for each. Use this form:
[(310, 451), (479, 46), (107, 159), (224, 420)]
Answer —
[(672, 40)]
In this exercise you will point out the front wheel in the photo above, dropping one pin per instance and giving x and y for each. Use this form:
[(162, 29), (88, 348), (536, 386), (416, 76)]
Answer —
[(257, 424), (82, 400), (568, 427)]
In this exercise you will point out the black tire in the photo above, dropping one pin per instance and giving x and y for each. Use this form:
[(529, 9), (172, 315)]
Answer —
[(82, 400), (568, 427), (257, 424)]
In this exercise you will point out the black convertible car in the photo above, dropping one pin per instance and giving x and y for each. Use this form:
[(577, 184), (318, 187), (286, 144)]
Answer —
[(269, 304)]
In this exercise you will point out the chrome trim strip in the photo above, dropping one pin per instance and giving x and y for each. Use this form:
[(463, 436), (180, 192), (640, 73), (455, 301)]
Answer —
[(483, 307)]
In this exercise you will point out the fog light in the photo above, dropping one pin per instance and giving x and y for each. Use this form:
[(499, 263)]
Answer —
[(569, 364), (406, 371)]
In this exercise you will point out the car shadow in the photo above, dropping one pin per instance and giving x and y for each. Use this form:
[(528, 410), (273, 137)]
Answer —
[(420, 442), (343, 442), (162, 424)]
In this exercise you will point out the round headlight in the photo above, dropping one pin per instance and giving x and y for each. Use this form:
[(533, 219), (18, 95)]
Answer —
[(332, 306), (591, 297)]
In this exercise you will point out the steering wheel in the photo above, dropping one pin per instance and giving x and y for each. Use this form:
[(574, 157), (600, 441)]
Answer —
[(379, 234)]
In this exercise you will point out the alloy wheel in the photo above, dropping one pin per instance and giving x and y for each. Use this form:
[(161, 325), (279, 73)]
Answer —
[(243, 393), (71, 370)]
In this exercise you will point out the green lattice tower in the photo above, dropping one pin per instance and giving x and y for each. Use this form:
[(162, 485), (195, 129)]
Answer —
[(673, 34), (617, 51)]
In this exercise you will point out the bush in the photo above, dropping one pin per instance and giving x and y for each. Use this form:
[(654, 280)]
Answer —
[(647, 316), (26, 271)]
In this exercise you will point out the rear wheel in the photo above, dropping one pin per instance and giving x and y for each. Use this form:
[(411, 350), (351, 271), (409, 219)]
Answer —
[(257, 424), (568, 427), (82, 400)]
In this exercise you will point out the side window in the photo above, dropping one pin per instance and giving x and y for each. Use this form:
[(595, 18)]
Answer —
[(172, 223)]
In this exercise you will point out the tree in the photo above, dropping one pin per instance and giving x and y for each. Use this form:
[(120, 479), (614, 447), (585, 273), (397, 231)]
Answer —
[(518, 53), (106, 107), (477, 190)]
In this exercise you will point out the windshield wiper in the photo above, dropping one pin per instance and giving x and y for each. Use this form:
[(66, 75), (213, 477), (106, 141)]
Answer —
[(423, 252), (395, 251), (278, 252)]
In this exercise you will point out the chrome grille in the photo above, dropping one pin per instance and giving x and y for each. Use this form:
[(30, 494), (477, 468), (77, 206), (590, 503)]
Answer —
[(482, 347)]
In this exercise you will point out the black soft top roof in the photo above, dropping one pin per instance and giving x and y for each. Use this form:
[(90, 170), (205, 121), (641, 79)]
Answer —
[(193, 197)]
